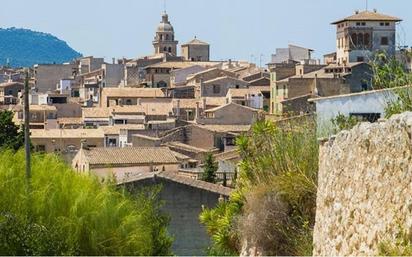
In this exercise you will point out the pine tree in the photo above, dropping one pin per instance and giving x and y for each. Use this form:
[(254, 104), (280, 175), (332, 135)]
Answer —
[(209, 170)]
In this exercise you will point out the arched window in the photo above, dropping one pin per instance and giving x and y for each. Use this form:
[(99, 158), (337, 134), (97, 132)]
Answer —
[(366, 40), (360, 39), (354, 38), (167, 37), (165, 49), (170, 49), (161, 37)]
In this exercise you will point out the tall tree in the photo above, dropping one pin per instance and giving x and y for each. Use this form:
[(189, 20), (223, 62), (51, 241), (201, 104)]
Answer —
[(209, 170), (10, 135)]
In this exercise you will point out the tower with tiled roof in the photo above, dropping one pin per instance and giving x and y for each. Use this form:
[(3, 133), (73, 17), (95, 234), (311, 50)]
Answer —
[(360, 35)]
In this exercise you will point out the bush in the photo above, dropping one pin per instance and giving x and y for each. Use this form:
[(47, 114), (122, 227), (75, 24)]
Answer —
[(283, 163), (64, 213), (342, 122)]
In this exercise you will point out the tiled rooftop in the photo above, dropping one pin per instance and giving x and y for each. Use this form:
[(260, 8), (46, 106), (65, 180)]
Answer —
[(130, 155)]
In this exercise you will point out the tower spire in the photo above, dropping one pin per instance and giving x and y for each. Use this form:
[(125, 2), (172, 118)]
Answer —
[(164, 6)]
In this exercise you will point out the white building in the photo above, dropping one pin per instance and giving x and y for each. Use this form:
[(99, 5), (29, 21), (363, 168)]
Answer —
[(250, 97), (366, 105)]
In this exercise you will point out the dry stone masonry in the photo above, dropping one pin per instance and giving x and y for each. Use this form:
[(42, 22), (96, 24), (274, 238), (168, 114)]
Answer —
[(365, 188)]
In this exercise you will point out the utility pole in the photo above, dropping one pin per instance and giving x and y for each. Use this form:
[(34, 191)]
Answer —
[(27, 127)]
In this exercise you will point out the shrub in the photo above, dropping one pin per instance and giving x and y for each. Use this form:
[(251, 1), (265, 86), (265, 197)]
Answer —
[(342, 122), (283, 163), (64, 213)]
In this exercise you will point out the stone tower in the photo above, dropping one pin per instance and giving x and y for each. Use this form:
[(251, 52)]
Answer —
[(360, 35), (164, 41)]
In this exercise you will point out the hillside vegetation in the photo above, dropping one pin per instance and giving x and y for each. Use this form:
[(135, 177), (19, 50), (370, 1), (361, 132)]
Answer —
[(24, 48)]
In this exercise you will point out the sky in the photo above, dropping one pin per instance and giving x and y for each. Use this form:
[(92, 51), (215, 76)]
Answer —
[(236, 29)]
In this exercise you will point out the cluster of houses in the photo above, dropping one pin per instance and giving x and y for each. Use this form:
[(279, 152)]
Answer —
[(160, 115), (189, 104)]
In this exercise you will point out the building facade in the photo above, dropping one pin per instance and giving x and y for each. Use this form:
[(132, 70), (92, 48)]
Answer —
[(360, 35)]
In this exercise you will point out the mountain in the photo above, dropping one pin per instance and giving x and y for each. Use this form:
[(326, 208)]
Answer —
[(24, 48)]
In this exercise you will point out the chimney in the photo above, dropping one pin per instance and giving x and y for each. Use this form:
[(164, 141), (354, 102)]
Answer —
[(356, 11), (114, 60), (375, 11)]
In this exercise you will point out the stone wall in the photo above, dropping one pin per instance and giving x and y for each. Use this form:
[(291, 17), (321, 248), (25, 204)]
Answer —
[(364, 188)]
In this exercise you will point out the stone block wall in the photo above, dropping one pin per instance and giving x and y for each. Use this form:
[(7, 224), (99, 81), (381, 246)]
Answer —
[(364, 188)]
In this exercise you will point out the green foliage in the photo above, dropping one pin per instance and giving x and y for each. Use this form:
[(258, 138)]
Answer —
[(399, 104), (209, 170), (388, 72), (342, 122), (66, 213), (285, 163), (10, 135), (401, 246)]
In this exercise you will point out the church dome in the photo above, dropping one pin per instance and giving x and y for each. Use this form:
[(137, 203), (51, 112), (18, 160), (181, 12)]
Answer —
[(165, 25)]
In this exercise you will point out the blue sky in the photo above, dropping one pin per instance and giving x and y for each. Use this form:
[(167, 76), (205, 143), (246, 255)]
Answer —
[(235, 29)]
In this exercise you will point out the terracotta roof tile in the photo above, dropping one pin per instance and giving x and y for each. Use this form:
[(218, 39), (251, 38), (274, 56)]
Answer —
[(130, 155)]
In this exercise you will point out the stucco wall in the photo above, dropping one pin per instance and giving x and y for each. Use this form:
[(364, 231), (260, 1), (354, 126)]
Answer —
[(364, 188), (183, 204)]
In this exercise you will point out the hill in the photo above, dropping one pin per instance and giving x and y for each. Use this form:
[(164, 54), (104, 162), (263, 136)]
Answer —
[(24, 47)]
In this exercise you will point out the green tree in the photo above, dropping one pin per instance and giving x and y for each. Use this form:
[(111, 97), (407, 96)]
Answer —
[(209, 169), (10, 135), (68, 213)]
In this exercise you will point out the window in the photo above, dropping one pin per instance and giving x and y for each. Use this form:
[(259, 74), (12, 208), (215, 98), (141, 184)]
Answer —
[(40, 148), (167, 37), (128, 102), (34, 116), (360, 59), (165, 49), (112, 142), (382, 24), (161, 37), (230, 141), (170, 49), (387, 24), (354, 39), (371, 117), (216, 89), (367, 39), (358, 23), (360, 39), (363, 23), (237, 86), (384, 41)]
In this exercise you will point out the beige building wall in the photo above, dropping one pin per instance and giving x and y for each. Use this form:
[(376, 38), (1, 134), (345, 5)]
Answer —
[(50, 144), (47, 76), (196, 52)]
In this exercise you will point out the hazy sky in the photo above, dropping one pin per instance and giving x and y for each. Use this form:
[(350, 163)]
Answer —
[(235, 29)]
